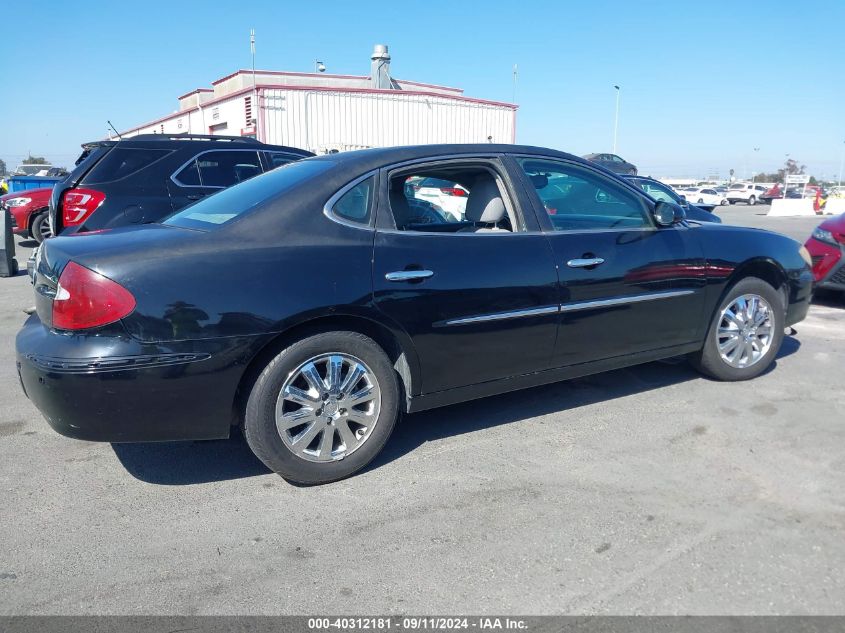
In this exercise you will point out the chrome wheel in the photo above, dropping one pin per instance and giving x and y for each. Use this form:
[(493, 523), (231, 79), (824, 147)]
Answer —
[(328, 407), (745, 331)]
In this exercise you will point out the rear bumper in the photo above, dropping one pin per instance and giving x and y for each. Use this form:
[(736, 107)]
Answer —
[(116, 389)]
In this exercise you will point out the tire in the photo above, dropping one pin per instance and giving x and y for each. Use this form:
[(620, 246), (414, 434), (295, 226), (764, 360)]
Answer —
[(40, 228), (752, 201), (700, 201), (723, 202), (303, 465), (709, 360)]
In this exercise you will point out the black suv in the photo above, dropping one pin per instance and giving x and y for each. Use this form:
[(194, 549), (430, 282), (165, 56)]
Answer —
[(145, 178)]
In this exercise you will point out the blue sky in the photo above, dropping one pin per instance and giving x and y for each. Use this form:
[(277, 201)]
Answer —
[(702, 83)]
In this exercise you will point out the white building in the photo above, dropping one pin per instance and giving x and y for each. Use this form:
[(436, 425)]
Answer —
[(325, 113)]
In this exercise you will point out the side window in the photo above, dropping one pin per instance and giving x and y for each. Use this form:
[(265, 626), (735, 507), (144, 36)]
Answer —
[(615, 158), (446, 199), (189, 175), (577, 199), (220, 169), (657, 193), (277, 159), (123, 161), (356, 204)]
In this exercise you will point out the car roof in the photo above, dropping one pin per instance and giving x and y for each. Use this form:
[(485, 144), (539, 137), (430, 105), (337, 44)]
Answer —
[(369, 159), (169, 141)]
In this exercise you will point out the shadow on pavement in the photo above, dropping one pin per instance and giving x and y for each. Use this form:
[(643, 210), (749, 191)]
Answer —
[(184, 463), (828, 299), (417, 429)]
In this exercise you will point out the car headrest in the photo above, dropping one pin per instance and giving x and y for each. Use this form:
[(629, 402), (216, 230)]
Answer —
[(485, 203), (540, 181)]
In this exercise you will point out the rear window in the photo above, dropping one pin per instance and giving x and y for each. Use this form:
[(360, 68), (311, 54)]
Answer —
[(230, 203), (89, 156), (122, 162), (736, 187)]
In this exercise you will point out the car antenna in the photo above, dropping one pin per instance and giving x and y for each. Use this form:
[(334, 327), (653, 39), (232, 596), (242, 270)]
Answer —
[(113, 128)]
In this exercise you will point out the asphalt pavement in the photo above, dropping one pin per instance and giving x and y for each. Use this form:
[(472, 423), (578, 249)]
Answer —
[(649, 490)]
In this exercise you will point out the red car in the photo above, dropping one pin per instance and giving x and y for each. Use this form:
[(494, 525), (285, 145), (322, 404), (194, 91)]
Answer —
[(827, 248), (30, 212)]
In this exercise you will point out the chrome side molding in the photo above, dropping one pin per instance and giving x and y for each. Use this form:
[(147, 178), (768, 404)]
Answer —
[(567, 307), (618, 301), (501, 316)]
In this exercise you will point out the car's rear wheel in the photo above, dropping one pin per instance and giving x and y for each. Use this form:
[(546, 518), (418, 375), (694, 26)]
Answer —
[(752, 201), (40, 229), (745, 333), (723, 202), (323, 408), (700, 201)]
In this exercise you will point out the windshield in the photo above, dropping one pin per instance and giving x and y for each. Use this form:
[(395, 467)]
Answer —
[(230, 203)]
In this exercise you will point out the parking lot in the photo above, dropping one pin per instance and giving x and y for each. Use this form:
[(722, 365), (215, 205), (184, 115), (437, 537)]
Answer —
[(649, 490)]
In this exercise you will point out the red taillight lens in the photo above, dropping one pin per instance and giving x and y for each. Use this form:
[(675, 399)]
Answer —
[(453, 191), (78, 204), (85, 299)]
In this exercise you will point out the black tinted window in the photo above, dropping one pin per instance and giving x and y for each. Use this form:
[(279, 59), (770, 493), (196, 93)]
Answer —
[(123, 161), (277, 159), (355, 204), (189, 175), (230, 203), (222, 168), (227, 168)]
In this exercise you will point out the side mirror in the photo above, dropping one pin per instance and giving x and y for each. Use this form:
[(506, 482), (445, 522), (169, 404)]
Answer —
[(667, 214)]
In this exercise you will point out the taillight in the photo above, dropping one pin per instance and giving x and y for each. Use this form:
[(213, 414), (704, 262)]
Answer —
[(78, 204), (85, 299), (453, 191)]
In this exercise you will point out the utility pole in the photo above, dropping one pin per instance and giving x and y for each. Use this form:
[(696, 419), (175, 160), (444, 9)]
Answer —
[(616, 119)]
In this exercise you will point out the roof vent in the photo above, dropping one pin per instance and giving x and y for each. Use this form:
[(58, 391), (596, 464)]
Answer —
[(380, 68)]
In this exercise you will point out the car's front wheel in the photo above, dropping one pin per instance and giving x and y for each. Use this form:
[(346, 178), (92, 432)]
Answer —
[(723, 202), (323, 408), (745, 333)]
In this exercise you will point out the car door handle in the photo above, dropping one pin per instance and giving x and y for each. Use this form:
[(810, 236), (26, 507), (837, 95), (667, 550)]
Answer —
[(585, 263), (195, 196), (408, 275)]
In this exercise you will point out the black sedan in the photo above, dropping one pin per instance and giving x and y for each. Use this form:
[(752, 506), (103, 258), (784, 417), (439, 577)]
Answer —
[(614, 163), (312, 305), (660, 192)]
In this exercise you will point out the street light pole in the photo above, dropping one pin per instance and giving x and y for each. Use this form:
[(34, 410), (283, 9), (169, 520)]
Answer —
[(753, 175), (616, 119), (841, 165)]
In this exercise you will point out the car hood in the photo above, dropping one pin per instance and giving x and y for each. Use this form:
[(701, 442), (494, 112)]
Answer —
[(29, 193)]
